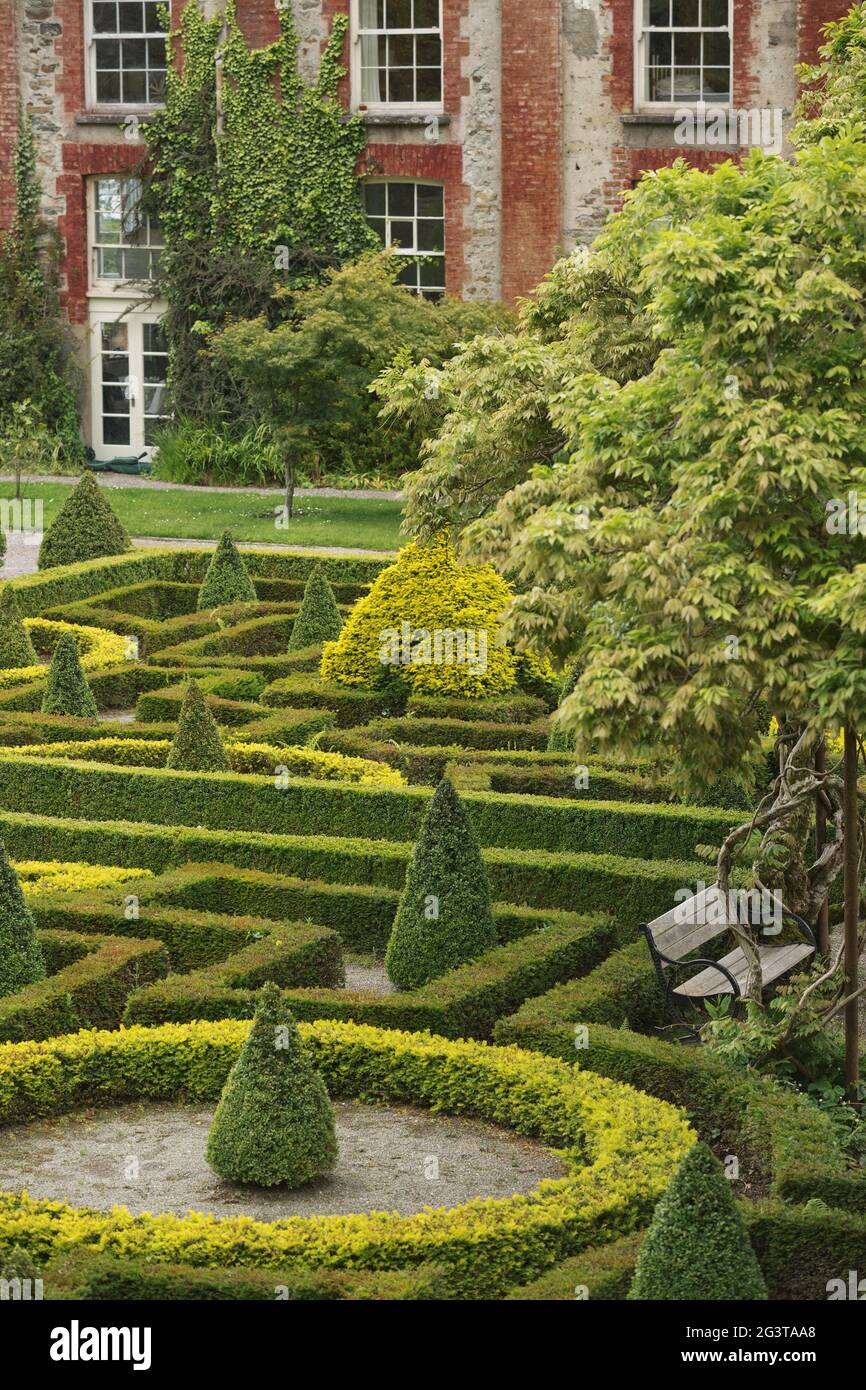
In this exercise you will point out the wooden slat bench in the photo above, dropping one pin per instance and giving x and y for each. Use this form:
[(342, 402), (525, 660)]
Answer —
[(673, 937)]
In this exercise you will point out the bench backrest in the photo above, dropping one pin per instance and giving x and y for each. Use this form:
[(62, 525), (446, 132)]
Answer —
[(700, 919)]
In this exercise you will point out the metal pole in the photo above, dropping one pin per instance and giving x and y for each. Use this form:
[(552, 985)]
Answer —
[(852, 917), (820, 843)]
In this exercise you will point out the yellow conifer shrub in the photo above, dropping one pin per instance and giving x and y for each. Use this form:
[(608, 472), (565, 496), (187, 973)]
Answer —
[(431, 620)]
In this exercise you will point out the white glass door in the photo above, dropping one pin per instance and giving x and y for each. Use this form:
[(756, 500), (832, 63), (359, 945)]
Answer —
[(129, 362)]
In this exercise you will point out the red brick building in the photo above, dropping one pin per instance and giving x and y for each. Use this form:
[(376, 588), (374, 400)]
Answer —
[(500, 133)]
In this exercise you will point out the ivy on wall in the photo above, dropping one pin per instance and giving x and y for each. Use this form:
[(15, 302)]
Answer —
[(254, 180)]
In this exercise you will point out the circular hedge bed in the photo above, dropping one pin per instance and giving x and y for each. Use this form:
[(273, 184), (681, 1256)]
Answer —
[(622, 1147)]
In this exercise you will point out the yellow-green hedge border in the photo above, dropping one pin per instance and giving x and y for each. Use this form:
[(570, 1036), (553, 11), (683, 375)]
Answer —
[(622, 1146), (96, 645)]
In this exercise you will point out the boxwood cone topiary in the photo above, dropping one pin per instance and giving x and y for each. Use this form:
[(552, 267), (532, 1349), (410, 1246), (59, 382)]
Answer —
[(318, 617), (84, 528), (197, 746), (226, 579), (274, 1123), (21, 960), (697, 1246), (443, 918), (67, 691), (16, 649)]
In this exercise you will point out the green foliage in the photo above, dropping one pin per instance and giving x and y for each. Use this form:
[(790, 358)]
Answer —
[(197, 746), (21, 960), (835, 88), (269, 196), (35, 345), (226, 580), (781, 1038), (697, 1246), (318, 617), (561, 741), (211, 452), (85, 528), (67, 691), (443, 918), (274, 1124), (16, 649)]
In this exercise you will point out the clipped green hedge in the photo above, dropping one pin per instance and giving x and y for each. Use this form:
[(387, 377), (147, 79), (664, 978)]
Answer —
[(91, 1276), (622, 989), (634, 890), (507, 709), (464, 1002), (601, 1275), (458, 733), (622, 1149), (307, 690), (229, 801), (90, 989)]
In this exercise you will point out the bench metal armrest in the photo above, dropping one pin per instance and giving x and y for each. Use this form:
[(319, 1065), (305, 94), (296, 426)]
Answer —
[(805, 930), (701, 960)]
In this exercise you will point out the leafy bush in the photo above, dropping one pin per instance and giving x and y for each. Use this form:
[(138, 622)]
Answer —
[(214, 453), (697, 1246), (16, 649), (318, 619), (67, 691), (424, 592), (274, 1124), (443, 918), (227, 580), (197, 746), (21, 960), (85, 528)]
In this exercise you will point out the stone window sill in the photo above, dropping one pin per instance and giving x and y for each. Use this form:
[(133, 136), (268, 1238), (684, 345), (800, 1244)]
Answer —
[(416, 120)]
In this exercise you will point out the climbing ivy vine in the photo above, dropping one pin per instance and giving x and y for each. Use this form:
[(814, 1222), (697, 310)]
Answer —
[(254, 180)]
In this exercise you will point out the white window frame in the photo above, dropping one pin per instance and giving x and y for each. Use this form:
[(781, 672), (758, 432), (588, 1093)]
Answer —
[(386, 107), (111, 285), (101, 310), (90, 38), (641, 98), (413, 252)]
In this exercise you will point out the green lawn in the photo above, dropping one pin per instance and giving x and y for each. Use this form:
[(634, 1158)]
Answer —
[(368, 524)]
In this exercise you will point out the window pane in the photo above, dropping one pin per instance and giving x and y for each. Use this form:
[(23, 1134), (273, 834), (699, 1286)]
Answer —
[(154, 340), (687, 84), (401, 199), (154, 400), (659, 11), (113, 337), (430, 200), (151, 17), (399, 14), (156, 53), (409, 276), (687, 50), (431, 235), (108, 210), (115, 400), (135, 88), (401, 85), (374, 198), (134, 53), (428, 51), (432, 273), (108, 86), (136, 265), (110, 263), (105, 19), (401, 51), (378, 225), (131, 17), (156, 86), (659, 84), (717, 82), (155, 367), (660, 50), (717, 50), (107, 53), (715, 13), (686, 12), (404, 233), (115, 429), (426, 14), (428, 84)]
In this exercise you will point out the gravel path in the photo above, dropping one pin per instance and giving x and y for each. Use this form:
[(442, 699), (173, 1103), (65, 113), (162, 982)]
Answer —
[(151, 1158), (137, 480)]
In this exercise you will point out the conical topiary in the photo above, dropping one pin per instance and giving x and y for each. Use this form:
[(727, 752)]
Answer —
[(318, 617), (443, 917), (67, 691), (274, 1123), (21, 960), (697, 1246), (561, 740), (197, 746), (16, 649), (226, 580), (83, 529)]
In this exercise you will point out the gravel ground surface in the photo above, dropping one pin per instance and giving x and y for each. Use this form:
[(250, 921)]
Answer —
[(139, 480), (88, 1158)]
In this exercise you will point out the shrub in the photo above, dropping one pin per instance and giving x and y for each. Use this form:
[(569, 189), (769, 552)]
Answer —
[(318, 619), (443, 918), (197, 746), (21, 960), (67, 691), (85, 528), (560, 740), (274, 1123), (16, 649), (423, 592), (226, 580), (697, 1246)]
